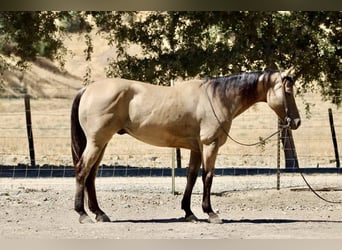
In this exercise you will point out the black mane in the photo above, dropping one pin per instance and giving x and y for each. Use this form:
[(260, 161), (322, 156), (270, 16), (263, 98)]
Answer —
[(245, 82)]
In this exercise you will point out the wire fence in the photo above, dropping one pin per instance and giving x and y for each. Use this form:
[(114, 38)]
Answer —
[(126, 156)]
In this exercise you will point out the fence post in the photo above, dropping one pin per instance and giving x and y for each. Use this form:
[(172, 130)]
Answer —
[(175, 154), (29, 129), (178, 151), (291, 159), (178, 158), (333, 135), (173, 186), (278, 156)]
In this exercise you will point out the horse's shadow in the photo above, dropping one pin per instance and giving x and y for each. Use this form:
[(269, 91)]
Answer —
[(245, 221)]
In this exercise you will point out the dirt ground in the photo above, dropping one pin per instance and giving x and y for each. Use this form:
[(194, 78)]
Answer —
[(145, 208)]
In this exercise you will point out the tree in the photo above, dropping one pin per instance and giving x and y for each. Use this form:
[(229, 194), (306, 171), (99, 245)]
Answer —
[(27, 34), (192, 44)]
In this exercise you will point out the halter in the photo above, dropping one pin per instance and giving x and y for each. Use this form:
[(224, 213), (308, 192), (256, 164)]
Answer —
[(287, 119)]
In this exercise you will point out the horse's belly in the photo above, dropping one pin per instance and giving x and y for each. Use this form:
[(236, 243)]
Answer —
[(164, 139)]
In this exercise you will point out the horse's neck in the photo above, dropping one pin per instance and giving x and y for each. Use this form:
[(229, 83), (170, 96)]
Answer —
[(239, 103)]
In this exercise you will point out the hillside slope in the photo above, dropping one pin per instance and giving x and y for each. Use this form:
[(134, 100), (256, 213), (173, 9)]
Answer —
[(45, 79)]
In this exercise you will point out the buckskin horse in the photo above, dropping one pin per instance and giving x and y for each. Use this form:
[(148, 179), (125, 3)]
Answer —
[(195, 115)]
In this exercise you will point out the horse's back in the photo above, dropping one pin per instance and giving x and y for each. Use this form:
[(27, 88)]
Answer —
[(107, 92), (107, 87)]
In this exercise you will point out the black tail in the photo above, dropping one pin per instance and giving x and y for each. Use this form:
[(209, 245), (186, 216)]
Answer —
[(78, 138)]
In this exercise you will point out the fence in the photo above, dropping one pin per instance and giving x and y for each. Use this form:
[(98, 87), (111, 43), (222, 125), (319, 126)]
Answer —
[(125, 155)]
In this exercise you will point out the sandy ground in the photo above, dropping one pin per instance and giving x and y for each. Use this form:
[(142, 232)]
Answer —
[(145, 208)]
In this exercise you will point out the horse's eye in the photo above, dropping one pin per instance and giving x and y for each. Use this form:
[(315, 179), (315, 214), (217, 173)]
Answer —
[(290, 84), (289, 81)]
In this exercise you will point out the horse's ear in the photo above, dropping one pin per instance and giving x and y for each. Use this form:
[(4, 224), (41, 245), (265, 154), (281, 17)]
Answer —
[(288, 72)]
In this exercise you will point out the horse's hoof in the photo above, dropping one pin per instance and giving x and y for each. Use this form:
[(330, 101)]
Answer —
[(191, 218), (102, 218), (85, 219), (214, 219)]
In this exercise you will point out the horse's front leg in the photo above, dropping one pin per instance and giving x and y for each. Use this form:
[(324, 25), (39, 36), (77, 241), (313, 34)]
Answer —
[(209, 157)]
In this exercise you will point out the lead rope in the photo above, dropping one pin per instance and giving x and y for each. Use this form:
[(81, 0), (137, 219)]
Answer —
[(262, 141), (307, 183)]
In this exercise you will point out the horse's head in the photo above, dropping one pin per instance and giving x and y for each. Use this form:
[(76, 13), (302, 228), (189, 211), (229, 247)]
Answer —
[(281, 99)]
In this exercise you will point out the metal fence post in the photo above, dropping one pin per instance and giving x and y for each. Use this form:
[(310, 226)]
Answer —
[(278, 155), (333, 135), (173, 160), (29, 130)]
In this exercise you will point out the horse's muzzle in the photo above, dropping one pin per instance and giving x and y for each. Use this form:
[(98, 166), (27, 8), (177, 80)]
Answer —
[(293, 123)]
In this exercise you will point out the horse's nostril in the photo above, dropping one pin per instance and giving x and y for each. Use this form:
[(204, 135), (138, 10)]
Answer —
[(297, 122)]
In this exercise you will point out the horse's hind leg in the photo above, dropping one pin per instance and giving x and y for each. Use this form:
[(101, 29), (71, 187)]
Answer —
[(194, 164), (90, 186), (83, 169)]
